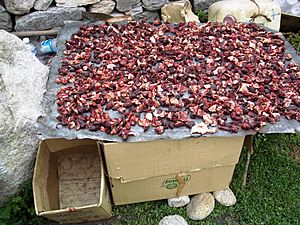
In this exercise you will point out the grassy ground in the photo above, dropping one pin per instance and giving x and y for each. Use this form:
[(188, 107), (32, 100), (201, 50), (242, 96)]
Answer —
[(271, 196)]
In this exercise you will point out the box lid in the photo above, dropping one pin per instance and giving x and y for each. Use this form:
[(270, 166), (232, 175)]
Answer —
[(141, 160)]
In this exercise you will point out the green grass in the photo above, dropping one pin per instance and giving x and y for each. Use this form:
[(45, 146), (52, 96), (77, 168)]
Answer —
[(294, 40), (271, 195), (203, 16), (20, 209)]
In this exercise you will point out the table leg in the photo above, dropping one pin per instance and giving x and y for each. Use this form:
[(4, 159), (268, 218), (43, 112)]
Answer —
[(249, 145)]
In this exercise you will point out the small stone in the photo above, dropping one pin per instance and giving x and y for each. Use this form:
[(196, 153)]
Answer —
[(42, 4), (225, 197), (43, 20), (173, 220), (5, 19), (153, 5), (104, 6), (200, 206), (126, 5), (74, 3), (18, 7), (178, 202)]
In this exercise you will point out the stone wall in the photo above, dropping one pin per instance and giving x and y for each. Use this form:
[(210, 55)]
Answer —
[(24, 15)]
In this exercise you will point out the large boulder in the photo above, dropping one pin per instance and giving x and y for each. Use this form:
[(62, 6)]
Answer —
[(18, 7), (75, 3), (43, 20), (5, 19), (22, 85)]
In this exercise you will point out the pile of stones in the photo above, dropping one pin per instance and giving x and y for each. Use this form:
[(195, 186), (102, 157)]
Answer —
[(29, 15), (199, 206)]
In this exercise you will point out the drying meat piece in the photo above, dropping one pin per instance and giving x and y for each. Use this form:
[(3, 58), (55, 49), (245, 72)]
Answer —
[(162, 76)]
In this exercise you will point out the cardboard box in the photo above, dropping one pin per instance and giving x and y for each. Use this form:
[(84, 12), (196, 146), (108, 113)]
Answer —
[(69, 184), (162, 169)]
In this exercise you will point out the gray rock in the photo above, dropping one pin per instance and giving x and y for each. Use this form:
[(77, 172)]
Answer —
[(42, 4), (225, 197), (200, 206), (22, 85), (178, 202), (5, 20), (173, 220), (104, 6), (126, 5), (136, 9), (18, 7), (147, 15), (43, 20), (202, 4), (74, 3), (153, 5)]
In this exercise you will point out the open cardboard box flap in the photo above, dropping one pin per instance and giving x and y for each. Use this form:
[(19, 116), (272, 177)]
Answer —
[(142, 160), (55, 145)]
